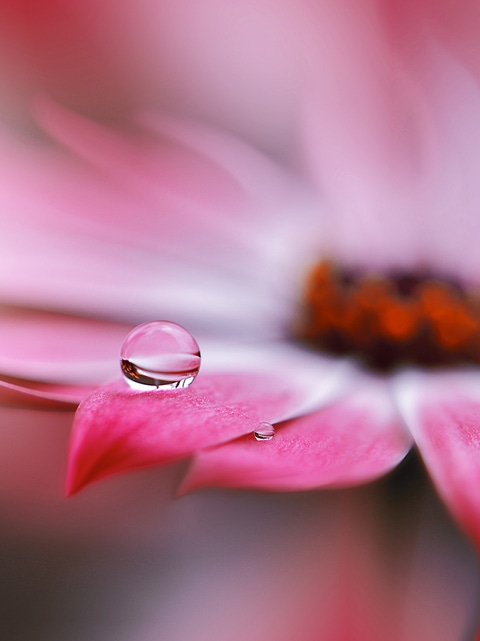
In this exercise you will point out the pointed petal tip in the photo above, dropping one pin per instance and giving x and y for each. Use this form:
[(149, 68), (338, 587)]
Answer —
[(73, 486), (182, 490), (75, 481), (189, 484), (351, 442), (116, 429), (71, 489)]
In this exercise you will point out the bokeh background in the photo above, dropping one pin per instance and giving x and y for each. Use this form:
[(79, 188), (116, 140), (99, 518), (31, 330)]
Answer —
[(125, 560)]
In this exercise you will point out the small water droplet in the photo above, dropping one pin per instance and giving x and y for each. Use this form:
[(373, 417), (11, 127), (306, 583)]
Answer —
[(264, 432), (159, 354)]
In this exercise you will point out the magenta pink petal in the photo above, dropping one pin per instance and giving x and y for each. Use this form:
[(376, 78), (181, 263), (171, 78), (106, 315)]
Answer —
[(351, 441), (443, 413), (117, 429)]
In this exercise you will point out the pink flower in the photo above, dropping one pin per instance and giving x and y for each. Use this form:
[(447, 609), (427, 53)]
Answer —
[(336, 425), (173, 221), (265, 248)]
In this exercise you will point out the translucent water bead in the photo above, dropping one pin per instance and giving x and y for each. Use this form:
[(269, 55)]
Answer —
[(159, 354), (264, 431)]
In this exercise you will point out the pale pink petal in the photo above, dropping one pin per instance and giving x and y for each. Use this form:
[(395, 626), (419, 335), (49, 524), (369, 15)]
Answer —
[(172, 176), (454, 100), (203, 196), (117, 429), (50, 360), (351, 441), (399, 172), (443, 414), (266, 181), (59, 349), (238, 65), (364, 136), (278, 248), (141, 215)]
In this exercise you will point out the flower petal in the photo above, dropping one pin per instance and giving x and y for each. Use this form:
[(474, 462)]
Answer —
[(59, 348), (32, 394), (443, 414), (117, 429), (351, 441), (49, 359), (129, 214)]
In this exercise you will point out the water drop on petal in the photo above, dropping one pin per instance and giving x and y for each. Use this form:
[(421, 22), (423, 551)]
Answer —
[(159, 354), (264, 431)]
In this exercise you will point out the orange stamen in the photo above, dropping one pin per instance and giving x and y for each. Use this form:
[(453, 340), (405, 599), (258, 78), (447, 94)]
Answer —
[(393, 319), (399, 320)]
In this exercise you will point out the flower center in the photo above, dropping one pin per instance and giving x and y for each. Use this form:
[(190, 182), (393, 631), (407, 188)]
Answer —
[(390, 320)]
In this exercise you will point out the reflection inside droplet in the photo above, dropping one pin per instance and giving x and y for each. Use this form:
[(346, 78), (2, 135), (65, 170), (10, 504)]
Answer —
[(264, 431), (159, 354)]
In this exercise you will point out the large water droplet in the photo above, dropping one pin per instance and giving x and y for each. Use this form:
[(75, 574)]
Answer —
[(159, 354), (264, 431)]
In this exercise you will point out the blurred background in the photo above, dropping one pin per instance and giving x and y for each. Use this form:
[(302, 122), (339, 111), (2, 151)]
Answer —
[(237, 65), (85, 92)]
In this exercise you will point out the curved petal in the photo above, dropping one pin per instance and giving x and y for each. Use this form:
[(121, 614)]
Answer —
[(172, 176), (35, 395), (443, 414), (117, 429), (58, 348), (320, 378), (398, 172), (365, 160), (186, 177), (127, 214), (352, 441), (50, 360), (266, 181)]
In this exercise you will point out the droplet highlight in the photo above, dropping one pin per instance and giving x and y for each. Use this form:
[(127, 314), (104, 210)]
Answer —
[(159, 354), (264, 432)]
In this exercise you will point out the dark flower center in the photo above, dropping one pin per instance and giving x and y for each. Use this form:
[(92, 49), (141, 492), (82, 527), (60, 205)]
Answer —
[(390, 320)]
